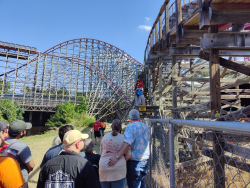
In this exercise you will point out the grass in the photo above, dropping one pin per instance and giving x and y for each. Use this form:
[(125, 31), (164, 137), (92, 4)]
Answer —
[(39, 145)]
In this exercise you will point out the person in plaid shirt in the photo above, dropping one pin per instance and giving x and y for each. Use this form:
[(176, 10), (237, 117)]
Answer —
[(137, 138)]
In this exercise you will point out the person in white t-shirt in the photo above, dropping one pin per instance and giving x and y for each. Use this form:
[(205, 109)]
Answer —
[(111, 144)]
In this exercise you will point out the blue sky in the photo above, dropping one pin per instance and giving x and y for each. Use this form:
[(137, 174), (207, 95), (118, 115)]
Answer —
[(45, 23)]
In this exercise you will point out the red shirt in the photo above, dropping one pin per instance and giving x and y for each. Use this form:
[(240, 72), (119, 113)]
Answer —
[(96, 125), (4, 147), (139, 84)]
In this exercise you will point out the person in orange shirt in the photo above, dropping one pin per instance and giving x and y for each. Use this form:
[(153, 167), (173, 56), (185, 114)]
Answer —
[(10, 172), (103, 127)]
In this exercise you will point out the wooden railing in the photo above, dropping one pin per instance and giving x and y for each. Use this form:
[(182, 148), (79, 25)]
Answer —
[(164, 23)]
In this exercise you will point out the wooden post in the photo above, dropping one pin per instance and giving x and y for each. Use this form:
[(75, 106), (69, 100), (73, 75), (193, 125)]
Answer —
[(181, 94), (214, 68), (167, 26), (160, 27), (174, 83), (156, 34), (215, 97), (204, 19), (178, 14), (160, 33), (191, 72), (160, 85), (174, 105)]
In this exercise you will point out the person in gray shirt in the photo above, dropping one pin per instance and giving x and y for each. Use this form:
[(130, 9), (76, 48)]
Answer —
[(19, 150)]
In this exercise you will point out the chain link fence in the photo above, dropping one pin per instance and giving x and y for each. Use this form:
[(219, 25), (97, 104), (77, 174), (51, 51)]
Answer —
[(200, 149)]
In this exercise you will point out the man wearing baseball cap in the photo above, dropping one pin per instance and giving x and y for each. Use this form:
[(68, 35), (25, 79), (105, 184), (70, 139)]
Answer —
[(10, 172), (69, 169), (19, 150)]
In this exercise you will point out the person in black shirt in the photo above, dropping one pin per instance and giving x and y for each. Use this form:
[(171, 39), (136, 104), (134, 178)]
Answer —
[(90, 156), (69, 169)]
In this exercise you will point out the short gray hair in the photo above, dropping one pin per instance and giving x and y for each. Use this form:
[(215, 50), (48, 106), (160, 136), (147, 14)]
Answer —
[(88, 146), (134, 114)]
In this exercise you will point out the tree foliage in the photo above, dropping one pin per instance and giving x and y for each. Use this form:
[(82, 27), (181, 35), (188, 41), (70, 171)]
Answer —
[(7, 86), (10, 111), (68, 113)]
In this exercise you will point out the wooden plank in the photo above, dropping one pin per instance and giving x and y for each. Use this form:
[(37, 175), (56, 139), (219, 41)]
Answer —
[(228, 64), (193, 163), (243, 152), (226, 137), (235, 96), (238, 113), (194, 93), (208, 97), (236, 90), (236, 81), (193, 108), (169, 81), (242, 165), (230, 17), (231, 161), (207, 93), (230, 6)]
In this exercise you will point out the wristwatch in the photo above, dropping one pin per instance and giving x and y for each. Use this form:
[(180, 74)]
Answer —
[(117, 157)]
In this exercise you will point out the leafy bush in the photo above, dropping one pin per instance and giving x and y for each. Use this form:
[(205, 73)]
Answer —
[(68, 113), (10, 111)]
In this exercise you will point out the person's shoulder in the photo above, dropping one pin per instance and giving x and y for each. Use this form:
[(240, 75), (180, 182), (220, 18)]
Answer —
[(5, 159), (107, 135), (120, 136), (16, 141), (141, 123), (93, 155), (54, 149)]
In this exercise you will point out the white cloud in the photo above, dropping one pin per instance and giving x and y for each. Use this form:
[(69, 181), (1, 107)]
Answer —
[(145, 27), (147, 19)]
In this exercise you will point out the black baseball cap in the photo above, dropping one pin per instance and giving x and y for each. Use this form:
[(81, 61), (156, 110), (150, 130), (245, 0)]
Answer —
[(3, 125), (18, 126)]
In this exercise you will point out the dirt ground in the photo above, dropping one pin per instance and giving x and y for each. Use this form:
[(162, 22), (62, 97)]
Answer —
[(39, 144)]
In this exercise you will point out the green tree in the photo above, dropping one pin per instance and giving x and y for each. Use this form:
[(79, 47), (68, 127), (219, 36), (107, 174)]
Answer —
[(68, 113), (7, 86), (10, 111), (27, 89), (82, 105)]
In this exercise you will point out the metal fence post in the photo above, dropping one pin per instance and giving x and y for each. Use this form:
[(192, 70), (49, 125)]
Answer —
[(171, 155), (150, 155)]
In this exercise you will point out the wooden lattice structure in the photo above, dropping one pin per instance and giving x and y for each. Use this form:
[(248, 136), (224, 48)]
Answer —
[(66, 72), (197, 58), (183, 39)]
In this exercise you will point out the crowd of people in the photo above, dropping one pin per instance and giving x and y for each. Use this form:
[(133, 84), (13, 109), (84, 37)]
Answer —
[(71, 162)]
